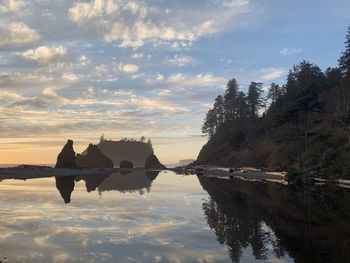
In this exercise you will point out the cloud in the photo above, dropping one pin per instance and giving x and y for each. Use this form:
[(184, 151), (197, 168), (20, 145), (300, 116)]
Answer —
[(200, 80), (70, 76), (44, 54), (132, 23), (290, 51), (83, 11), (180, 60), (11, 6), (128, 68), (272, 73), (18, 33)]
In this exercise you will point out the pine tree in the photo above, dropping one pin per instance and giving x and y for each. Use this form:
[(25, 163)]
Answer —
[(275, 92), (219, 110), (344, 61), (209, 125), (230, 98), (254, 98), (242, 105)]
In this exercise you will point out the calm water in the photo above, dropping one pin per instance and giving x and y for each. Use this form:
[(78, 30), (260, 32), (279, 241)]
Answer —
[(142, 217)]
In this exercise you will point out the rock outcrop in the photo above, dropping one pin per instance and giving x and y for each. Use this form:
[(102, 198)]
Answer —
[(65, 185), (126, 164), (152, 162), (66, 158), (133, 151), (92, 157)]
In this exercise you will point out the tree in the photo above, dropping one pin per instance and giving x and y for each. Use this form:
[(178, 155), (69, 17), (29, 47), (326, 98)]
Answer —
[(275, 92), (230, 98), (254, 99), (306, 80), (209, 125), (344, 60), (219, 110), (242, 105)]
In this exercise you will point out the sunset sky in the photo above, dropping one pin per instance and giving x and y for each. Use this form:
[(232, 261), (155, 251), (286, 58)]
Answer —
[(144, 68)]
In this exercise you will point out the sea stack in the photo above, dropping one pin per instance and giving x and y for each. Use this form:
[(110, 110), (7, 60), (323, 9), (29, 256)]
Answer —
[(66, 158), (152, 162), (92, 157), (126, 164)]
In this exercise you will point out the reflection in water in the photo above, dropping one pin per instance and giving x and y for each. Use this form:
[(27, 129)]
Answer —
[(273, 220), (65, 185), (138, 181), (92, 182)]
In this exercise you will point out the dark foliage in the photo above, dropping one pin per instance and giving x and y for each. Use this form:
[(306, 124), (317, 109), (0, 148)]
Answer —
[(303, 124)]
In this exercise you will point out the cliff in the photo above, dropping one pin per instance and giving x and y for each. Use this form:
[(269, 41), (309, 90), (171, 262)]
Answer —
[(302, 125), (93, 157), (133, 151)]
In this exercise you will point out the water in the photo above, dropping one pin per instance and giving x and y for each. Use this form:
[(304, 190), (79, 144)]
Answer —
[(142, 217)]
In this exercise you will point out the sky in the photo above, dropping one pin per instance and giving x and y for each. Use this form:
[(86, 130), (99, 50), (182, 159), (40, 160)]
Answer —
[(80, 69)]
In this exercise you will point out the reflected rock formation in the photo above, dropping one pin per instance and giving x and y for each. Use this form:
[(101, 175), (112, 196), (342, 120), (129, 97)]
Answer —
[(92, 181), (273, 219), (137, 181), (65, 185), (126, 164), (66, 158), (152, 162), (92, 157)]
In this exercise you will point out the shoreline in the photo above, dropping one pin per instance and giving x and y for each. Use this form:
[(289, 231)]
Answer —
[(24, 172)]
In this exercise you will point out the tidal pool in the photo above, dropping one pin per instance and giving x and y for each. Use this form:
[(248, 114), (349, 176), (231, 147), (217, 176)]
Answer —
[(151, 217)]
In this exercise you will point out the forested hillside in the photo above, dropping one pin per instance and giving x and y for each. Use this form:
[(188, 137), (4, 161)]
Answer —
[(301, 125)]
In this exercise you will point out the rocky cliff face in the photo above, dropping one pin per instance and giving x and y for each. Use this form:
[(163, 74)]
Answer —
[(66, 158), (133, 151), (93, 158), (126, 164), (152, 162)]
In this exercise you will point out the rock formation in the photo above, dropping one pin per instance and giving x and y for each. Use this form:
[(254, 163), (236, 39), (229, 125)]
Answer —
[(152, 162), (126, 164), (133, 151), (92, 157), (66, 158), (65, 185)]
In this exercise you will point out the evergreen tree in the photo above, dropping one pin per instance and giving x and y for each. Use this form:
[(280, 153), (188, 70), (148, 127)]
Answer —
[(344, 61), (254, 99), (242, 105), (275, 92), (209, 125), (307, 80), (230, 98), (219, 110)]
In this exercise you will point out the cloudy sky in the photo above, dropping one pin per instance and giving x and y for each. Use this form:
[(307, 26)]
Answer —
[(144, 68)]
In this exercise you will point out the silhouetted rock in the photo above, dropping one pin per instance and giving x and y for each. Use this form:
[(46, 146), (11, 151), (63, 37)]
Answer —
[(92, 181), (136, 181), (186, 162), (133, 151), (66, 158), (92, 157), (65, 185), (126, 164), (152, 162), (152, 175)]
